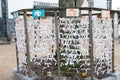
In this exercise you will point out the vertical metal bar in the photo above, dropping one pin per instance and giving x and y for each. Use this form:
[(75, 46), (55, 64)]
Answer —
[(57, 44), (17, 56), (113, 35), (16, 51), (91, 43), (79, 34), (80, 12), (75, 2), (27, 44)]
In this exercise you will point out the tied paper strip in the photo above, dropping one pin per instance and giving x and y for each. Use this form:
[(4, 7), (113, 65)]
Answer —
[(42, 39), (41, 35), (74, 42), (102, 36), (20, 37)]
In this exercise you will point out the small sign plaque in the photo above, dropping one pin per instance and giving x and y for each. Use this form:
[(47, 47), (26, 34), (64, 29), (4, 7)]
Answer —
[(72, 12), (38, 13), (15, 15), (105, 14)]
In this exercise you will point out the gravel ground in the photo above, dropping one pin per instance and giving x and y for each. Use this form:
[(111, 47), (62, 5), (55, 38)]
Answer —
[(8, 60)]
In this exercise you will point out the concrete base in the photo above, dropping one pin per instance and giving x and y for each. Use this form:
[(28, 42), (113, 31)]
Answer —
[(61, 78), (20, 76), (108, 78), (116, 75)]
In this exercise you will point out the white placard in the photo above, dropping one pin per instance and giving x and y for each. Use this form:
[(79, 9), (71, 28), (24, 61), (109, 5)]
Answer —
[(72, 12), (105, 14)]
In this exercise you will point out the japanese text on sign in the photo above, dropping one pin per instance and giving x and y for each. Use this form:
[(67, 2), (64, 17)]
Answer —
[(105, 14), (38, 13), (72, 12)]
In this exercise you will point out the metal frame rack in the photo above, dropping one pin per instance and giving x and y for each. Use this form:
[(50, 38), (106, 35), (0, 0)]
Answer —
[(55, 12)]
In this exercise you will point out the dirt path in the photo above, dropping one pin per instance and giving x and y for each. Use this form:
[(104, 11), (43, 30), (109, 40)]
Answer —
[(7, 61), (117, 55)]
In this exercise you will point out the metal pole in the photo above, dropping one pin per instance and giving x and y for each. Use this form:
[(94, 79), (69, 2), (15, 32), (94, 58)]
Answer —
[(17, 56), (91, 43), (16, 50), (113, 35), (57, 44), (75, 3), (27, 44)]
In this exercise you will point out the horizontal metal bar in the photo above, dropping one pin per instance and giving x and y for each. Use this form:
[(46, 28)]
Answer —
[(59, 8)]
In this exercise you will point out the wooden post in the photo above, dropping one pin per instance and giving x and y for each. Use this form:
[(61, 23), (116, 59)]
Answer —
[(16, 50), (113, 50), (17, 56), (91, 44), (57, 44), (27, 44)]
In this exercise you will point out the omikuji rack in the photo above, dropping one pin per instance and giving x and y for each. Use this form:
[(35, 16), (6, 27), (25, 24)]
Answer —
[(89, 15)]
